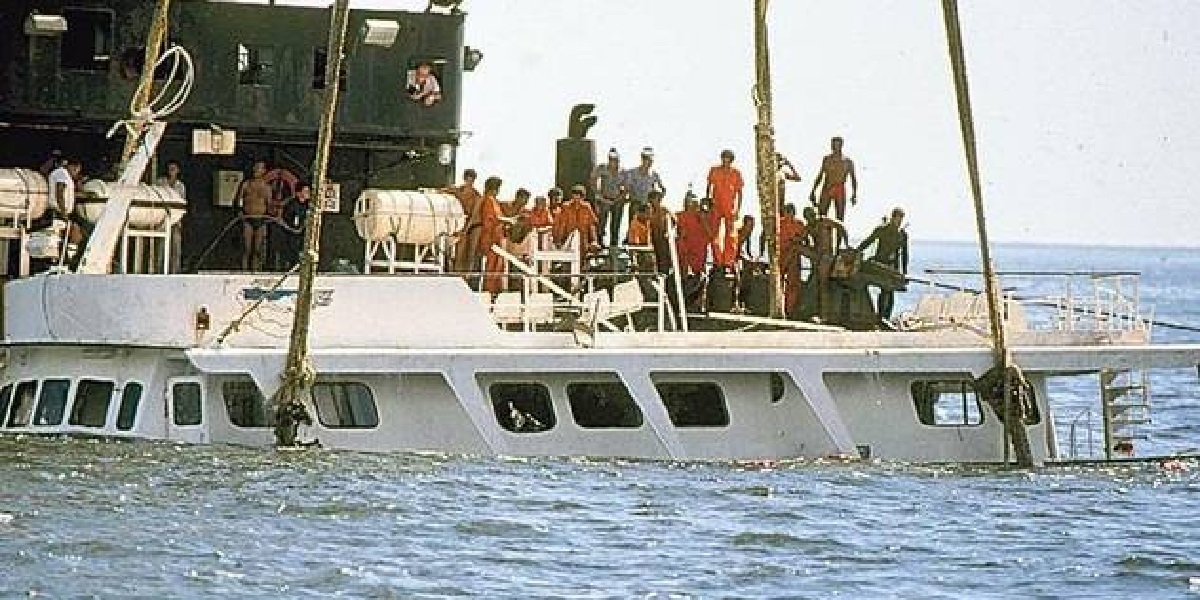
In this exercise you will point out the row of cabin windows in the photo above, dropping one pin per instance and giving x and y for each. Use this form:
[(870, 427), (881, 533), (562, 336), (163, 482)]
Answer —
[(339, 405), (526, 407), (44, 403), (956, 403)]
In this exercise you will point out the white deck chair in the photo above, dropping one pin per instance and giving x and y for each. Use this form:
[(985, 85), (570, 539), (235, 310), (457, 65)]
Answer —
[(507, 309), (596, 306), (627, 300), (544, 254), (539, 310)]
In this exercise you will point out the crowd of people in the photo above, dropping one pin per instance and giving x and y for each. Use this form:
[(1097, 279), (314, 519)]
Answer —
[(623, 207)]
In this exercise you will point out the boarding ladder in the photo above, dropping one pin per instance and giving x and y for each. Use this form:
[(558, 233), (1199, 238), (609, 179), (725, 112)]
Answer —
[(1125, 399)]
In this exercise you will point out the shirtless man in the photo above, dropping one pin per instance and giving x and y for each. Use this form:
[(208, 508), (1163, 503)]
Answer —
[(835, 169), (253, 196)]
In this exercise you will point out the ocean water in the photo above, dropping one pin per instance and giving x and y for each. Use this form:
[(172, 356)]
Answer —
[(91, 518)]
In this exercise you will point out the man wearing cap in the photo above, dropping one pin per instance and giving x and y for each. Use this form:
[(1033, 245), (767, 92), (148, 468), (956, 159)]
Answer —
[(576, 215), (725, 188), (836, 168), (606, 180), (636, 184)]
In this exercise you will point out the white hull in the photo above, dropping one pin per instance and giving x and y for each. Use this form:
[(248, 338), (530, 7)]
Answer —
[(437, 381)]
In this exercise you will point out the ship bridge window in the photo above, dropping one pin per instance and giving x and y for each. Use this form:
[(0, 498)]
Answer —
[(127, 412), (187, 404), (345, 405), (255, 65), (88, 41), (52, 402), (694, 404), (522, 407), (952, 403), (320, 63), (92, 398), (5, 395), (245, 404), (22, 404), (603, 405)]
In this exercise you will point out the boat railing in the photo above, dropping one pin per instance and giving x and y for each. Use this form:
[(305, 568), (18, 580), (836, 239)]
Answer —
[(1075, 301)]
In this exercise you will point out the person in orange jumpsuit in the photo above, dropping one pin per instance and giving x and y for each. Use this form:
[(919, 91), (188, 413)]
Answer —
[(466, 259), (576, 215), (725, 188), (492, 232), (694, 237), (659, 220), (639, 227), (792, 233), (540, 216)]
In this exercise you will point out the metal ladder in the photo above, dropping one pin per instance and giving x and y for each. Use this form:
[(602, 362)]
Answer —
[(1125, 399)]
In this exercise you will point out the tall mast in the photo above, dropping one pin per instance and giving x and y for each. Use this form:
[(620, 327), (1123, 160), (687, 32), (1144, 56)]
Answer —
[(141, 96), (764, 146), (1014, 417), (298, 374)]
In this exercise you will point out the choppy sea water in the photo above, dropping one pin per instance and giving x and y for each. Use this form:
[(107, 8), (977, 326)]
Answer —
[(83, 518)]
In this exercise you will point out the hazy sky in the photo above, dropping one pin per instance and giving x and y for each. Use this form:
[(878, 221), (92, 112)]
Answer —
[(1085, 109)]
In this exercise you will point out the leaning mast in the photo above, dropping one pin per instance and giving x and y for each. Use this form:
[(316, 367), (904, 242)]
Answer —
[(766, 160), (298, 374)]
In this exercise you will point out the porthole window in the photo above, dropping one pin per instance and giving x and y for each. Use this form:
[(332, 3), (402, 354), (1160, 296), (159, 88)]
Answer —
[(22, 404), (603, 405), (345, 405), (245, 405), (951, 403), (127, 412), (92, 398), (52, 402), (522, 407), (698, 404)]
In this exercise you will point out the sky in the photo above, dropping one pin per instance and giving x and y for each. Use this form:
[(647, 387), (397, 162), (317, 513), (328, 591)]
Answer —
[(1084, 109)]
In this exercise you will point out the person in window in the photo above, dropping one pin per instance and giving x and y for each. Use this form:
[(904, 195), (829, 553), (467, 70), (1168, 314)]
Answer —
[(424, 87)]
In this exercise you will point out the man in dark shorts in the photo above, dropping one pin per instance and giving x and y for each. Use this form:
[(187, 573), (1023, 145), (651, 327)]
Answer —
[(254, 195), (891, 249)]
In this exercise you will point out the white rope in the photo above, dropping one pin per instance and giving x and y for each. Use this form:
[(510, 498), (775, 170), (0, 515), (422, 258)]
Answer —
[(157, 108)]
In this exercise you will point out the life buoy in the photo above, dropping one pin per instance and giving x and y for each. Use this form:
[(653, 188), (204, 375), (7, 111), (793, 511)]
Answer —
[(283, 186)]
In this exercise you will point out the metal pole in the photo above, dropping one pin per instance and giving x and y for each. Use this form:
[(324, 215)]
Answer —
[(141, 96), (1014, 425), (298, 374), (768, 167)]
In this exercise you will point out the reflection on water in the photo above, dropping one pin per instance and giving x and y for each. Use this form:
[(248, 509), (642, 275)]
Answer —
[(158, 520)]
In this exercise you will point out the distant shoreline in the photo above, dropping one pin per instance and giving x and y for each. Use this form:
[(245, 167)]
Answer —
[(1004, 243)]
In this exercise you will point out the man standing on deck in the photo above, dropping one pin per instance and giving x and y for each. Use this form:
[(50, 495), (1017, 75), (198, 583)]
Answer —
[(254, 195), (891, 249), (576, 216), (492, 233), (693, 239), (465, 256), (836, 168), (725, 186), (606, 180), (792, 233), (636, 184)]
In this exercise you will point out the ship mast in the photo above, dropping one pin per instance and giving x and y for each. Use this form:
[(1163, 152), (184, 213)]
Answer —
[(767, 162), (1014, 413), (298, 374), (141, 96)]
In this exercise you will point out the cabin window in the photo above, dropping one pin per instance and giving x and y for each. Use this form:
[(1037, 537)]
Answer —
[(22, 404), (88, 41), (698, 404), (320, 63), (92, 398), (522, 407), (5, 394), (245, 404), (186, 404), (127, 413), (255, 65), (345, 405), (52, 402), (777, 388), (947, 403), (603, 405)]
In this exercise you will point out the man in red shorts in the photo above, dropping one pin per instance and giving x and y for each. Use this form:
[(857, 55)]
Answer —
[(725, 188), (836, 168)]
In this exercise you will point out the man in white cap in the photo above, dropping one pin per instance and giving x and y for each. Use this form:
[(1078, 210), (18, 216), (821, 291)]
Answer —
[(606, 180), (636, 184)]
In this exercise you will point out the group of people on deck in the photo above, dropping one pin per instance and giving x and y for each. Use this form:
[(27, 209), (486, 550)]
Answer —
[(626, 209)]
